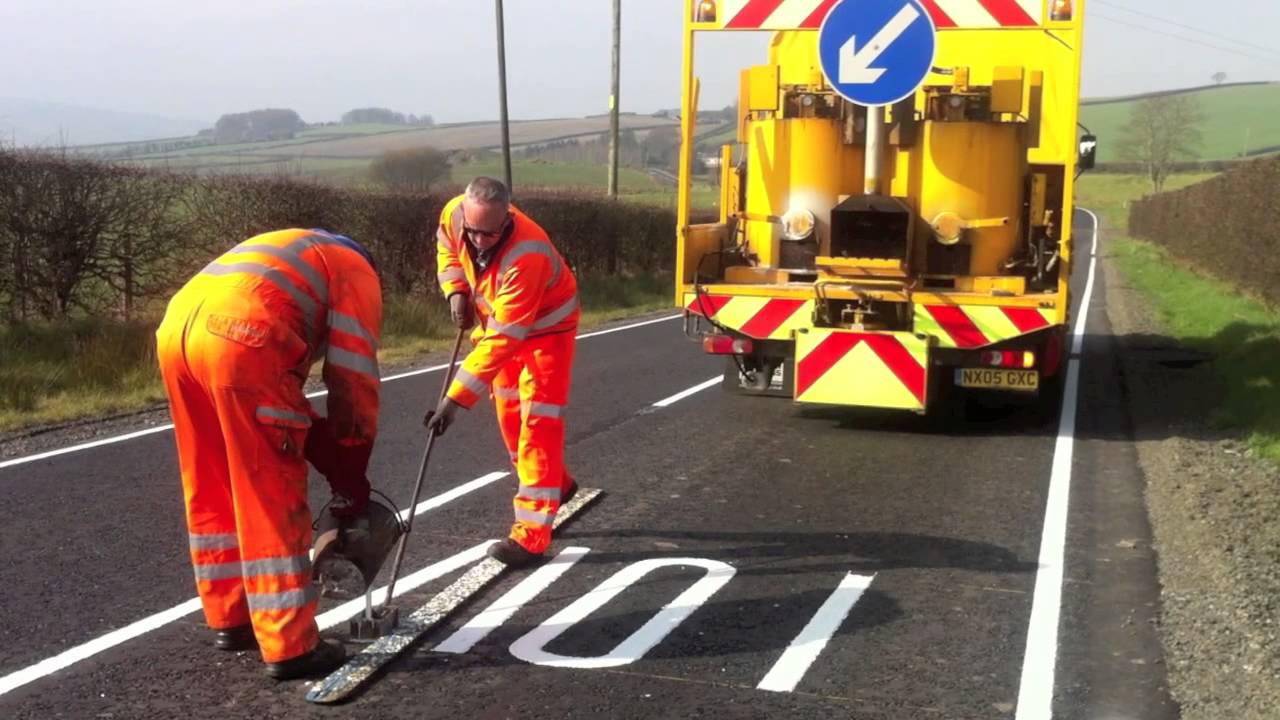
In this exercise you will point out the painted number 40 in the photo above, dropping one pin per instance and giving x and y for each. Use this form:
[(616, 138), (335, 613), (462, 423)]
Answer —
[(785, 674)]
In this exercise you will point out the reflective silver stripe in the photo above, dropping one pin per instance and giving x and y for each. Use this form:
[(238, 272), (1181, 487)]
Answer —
[(287, 600), (452, 275), (547, 410), (291, 257), (506, 393), (471, 382), (511, 330), (217, 541), (277, 278), (556, 316), (275, 413), (443, 242), (354, 362), (539, 493), (292, 565), (218, 571), (523, 515), (351, 326), (525, 247)]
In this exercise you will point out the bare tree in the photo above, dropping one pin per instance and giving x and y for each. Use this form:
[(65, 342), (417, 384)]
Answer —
[(1161, 132), (413, 170), (1219, 77)]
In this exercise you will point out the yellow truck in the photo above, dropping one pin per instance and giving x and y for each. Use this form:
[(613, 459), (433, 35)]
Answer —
[(881, 254)]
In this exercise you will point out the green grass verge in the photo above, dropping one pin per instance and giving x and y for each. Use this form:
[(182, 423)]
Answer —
[(93, 367), (1201, 312), (1236, 118), (1208, 315)]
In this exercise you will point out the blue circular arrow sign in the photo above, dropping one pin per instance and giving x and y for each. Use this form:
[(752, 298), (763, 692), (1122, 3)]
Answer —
[(877, 52)]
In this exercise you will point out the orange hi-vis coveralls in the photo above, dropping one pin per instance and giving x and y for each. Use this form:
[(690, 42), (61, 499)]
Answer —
[(526, 300), (235, 347)]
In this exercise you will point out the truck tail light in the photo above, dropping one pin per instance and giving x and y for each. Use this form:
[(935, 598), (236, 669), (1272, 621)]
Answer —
[(1062, 11), (726, 345), (1009, 359)]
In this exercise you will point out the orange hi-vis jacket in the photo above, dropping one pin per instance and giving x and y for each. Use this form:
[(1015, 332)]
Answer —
[(330, 295), (525, 291)]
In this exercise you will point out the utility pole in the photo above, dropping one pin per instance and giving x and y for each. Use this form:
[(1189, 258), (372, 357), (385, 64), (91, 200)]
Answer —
[(613, 99), (502, 98)]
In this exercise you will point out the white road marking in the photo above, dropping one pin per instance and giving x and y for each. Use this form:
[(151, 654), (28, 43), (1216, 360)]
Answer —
[(530, 647), (169, 426), (1039, 663), (504, 607), (668, 402), (80, 652), (74, 655), (351, 608), (804, 650)]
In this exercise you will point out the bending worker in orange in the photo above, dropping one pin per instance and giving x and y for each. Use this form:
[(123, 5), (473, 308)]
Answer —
[(496, 263), (235, 347)]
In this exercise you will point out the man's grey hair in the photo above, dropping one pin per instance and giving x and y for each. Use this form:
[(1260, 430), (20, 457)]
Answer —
[(488, 191)]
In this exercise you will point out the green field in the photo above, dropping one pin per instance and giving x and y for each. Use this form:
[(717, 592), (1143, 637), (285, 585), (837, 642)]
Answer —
[(1236, 119)]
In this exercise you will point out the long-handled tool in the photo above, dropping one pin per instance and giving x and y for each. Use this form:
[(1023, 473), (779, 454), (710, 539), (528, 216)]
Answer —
[(375, 623)]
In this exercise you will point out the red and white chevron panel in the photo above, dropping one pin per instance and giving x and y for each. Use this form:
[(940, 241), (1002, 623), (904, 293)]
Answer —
[(809, 14)]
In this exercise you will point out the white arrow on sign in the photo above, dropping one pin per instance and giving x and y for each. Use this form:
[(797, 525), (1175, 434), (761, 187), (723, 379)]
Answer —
[(855, 64)]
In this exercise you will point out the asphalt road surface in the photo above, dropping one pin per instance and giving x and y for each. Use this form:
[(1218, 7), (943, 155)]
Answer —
[(749, 559)]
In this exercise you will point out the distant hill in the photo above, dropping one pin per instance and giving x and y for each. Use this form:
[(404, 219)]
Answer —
[(46, 124), (1239, 119)]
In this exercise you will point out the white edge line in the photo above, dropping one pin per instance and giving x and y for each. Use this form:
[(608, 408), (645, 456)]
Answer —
[(1039, 663), (69, 657), (787, 672), (163, 428), (686, 393)]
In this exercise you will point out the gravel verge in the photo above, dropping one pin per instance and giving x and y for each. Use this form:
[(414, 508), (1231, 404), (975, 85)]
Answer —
[(1215, 511)]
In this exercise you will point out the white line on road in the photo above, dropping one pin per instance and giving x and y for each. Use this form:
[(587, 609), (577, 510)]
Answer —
[(1039, 663), (439, 569), (804, 650), (74, 655), (668, 402), (169, 426), (504, 607)]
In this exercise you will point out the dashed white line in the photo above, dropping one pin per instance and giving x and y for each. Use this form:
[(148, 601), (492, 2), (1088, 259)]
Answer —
[(667, 402), (169, 426), (1039, 663), (804, 650), (332, 617)]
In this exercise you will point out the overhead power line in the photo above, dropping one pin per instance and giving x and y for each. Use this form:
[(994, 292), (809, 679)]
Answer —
[(1185, 26), (1183, 38)]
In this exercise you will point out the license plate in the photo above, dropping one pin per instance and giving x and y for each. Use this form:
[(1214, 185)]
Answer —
[(997, 379)]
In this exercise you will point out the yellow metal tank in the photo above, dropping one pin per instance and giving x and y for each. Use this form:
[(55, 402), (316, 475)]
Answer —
[(972, 174), (797, 163)]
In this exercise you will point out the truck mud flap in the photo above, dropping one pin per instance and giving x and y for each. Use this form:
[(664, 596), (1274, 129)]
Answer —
[(844, 367)]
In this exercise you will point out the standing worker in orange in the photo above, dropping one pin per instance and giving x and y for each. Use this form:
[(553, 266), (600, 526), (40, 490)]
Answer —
[(497, 264), (235, 347)]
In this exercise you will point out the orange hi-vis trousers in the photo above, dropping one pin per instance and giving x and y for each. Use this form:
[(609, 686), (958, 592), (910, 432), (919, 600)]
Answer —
[(230, 365), (531, 393)]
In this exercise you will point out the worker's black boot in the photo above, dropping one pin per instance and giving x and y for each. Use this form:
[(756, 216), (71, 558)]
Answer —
[(326, 656), (509, 553), (235, 639)]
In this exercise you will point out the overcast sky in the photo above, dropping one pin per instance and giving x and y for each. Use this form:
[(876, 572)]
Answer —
[(321, 57)]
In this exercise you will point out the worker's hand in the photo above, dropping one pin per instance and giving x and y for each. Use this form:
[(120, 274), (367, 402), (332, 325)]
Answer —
[(439, 420), (460, 308)]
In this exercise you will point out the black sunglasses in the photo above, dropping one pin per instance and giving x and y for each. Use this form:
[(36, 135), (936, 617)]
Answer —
[(487, 233)]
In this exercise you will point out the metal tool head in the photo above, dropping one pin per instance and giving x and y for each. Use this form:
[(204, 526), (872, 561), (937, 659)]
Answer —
[(372, 624)]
